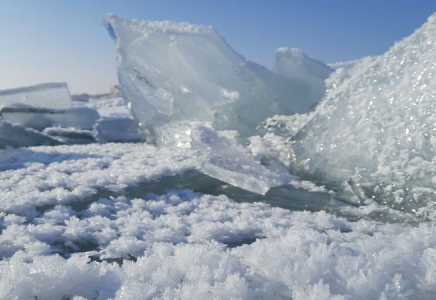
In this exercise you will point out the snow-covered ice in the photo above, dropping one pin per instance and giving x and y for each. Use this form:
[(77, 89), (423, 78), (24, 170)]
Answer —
[(77, 238), (376, 127)]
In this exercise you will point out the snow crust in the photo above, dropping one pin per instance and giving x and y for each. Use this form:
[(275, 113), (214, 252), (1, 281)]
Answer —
[(181, 72), (375, 129)]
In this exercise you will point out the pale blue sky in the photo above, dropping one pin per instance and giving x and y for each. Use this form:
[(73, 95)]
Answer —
[(60, 40)]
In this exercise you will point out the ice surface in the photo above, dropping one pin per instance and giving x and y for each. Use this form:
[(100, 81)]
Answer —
[(47, 95), (294, 64), (77, 117), (376, 128), (182, 72)]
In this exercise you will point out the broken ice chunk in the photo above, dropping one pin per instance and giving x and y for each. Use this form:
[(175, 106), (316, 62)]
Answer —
[(18, 136), (43, 106), (46, 95), (171, 72), (117, 129), (227, 161)]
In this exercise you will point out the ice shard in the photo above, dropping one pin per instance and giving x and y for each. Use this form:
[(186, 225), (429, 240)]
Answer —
[(376, 129), (294, 64), (182, 72), (227, 161)]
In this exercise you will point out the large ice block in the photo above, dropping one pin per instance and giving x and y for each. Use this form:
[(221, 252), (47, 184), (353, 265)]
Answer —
[(46, 96), (294, 64), (376, 129), (182, 72)]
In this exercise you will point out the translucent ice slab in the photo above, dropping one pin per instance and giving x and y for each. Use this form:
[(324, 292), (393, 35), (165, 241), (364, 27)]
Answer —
[(182, 72), (46, 95), (12, 136), (229, 162)]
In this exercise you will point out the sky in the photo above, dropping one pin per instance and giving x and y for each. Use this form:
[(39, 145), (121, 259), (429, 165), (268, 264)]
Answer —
[(64, 41)]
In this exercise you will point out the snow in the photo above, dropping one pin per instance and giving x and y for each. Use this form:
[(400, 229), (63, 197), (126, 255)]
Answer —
[(173, 72), (375, 128)]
